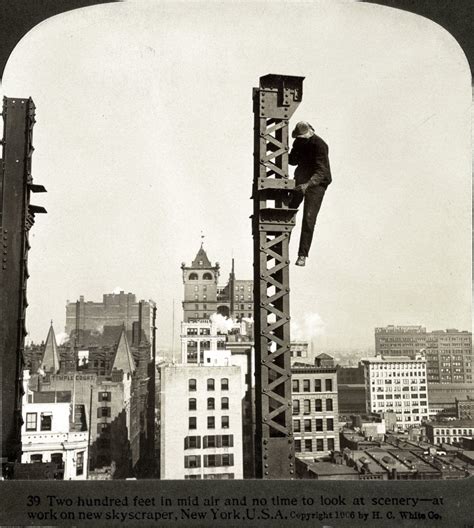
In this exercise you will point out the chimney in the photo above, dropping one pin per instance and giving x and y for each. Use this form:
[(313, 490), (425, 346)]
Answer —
[(232, 291)]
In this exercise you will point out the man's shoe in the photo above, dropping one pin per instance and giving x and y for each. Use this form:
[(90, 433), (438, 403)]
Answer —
[(301, 261)]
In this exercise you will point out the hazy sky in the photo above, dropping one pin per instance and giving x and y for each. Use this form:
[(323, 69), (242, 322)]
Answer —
[(144, 137)]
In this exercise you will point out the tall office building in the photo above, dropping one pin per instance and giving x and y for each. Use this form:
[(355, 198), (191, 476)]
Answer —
[(397, 384), (115, 309), (200, 415), (315, 408), (449, 353)]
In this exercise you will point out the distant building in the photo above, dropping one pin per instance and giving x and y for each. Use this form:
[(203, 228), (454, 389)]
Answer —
[(351, 390), (397, 384), (307, 469), (315, 408), (300, 352), (465, 409), (203, 296), (449, 353), (116, 309), (449, 432), (200, 414), (52, 432), (443, 396)]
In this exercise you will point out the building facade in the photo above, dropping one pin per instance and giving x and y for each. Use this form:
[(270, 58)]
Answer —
[(399, 385), (52, 432), (449, 432), (200, 415), (315, 408)]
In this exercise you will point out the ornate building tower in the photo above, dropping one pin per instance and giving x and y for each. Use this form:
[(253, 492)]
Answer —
[(200, 288)]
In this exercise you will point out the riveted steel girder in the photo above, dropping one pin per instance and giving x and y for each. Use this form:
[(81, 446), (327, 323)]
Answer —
[(274, 102), (16, 218)]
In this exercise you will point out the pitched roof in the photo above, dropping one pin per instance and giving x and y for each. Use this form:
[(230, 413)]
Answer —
[(123, 356), (323, 355), (50, 361), (201, 256)]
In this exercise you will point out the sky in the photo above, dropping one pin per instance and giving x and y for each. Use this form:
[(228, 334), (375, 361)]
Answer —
[(144, 140)]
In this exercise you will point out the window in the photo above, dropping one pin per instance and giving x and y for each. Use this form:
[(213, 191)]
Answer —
[(318, 405), (319, 444), (105, 396), (296, 407), (207, 276), (297, 426), (307, 406), (319, 424), (210, 384), (329, 404), (306, 387), (317, 385), (331, 444), (31, 421), (210, 441), (103, 428), (227, 440), (192, 461), (192, 405), (330, 424), (227, 459), (224, 403), (210, 460), (45, 424), (308, 444), (103, 412), (80, 463), (295, 385), (36, 458), (211, 405), (193, 276), (224, 384), (329, 385), (225, 422), (192, 422), (192, 385), (192, 442), (307, 426), (298, 446), (211, 422)]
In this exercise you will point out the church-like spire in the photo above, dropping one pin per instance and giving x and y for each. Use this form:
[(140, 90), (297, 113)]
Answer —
[(50, 361), (123, 356)]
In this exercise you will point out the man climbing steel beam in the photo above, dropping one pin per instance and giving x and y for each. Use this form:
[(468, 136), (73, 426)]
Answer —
[(312, 177)]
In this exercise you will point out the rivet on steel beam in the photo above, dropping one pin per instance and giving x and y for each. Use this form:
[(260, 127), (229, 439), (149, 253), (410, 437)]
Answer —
[(266, 472), (266, 465), (265, 441), (291, 471)]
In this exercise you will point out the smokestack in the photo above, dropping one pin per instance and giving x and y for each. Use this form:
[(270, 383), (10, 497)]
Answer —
[(232, 290)]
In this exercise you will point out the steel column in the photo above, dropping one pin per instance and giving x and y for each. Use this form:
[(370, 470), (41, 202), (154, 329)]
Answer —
[(274, 102), (16, 218)]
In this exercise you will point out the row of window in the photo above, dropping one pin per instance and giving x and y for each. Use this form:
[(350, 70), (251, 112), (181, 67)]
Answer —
[(304, 385), (194, 461), (211, 384), (211, 404), (194, 442), (308, 445), (318, 406), (195, 276), (308, 425), (57, 458), (211, 476), (464, 432), (211, 422), (45, 421)]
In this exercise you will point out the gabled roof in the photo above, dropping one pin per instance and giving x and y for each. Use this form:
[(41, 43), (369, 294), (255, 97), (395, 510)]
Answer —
[(323, 355), (50, 361), (201, 256), (123, 356)]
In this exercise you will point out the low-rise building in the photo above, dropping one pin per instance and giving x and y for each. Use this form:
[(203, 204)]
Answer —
[(449, 432), (55, 432)]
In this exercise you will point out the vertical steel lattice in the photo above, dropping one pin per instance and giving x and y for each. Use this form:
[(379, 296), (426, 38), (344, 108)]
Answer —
[(16, 218), (274, 102)]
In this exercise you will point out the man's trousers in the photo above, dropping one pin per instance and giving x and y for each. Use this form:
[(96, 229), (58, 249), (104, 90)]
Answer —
[(313, 198)]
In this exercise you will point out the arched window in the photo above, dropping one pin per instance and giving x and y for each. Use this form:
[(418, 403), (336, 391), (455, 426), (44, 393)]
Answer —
[(224, 403), (207, 276), (192, 404), (210, 384), (192, 384), (211, 404), (193, 276), (224, 384)]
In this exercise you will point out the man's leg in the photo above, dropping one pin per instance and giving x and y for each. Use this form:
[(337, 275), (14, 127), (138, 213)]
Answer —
[(312, 203)]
